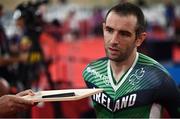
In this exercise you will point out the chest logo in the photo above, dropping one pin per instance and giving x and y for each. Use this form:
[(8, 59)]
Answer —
[(137, 76), (98, 75)]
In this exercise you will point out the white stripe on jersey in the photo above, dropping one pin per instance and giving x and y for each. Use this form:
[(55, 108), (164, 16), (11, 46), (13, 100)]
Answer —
[(115, 87)]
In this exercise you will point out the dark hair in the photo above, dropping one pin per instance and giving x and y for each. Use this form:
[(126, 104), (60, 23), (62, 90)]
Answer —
[(130, 9)]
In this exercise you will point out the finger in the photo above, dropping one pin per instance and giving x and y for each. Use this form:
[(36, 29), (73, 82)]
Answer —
[(21, 100), (26, 92)]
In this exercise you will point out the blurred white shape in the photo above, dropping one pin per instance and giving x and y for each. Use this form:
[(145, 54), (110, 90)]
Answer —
[(155, 14)]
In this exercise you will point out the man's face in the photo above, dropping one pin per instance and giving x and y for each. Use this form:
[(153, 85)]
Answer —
[(119, 36), (20, 23)]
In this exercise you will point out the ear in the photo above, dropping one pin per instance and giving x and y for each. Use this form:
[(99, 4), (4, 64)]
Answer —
[(140, 39)]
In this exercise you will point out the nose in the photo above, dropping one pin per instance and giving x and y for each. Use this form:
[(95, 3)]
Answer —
[(114, 37)]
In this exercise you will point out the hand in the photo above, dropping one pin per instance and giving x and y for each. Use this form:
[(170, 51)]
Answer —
[(10, 105)]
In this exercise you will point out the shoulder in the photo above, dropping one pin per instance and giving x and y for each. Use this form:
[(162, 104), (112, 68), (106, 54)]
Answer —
[(152, 64), (97, 64), (155, 73)]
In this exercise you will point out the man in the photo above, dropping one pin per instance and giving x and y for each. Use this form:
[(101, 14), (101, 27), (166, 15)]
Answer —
[(30, 29), (135, 85), (8, 54), (10, 105), (3, 37)]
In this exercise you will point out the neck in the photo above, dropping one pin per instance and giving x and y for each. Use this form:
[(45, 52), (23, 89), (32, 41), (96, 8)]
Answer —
[(120, 68)]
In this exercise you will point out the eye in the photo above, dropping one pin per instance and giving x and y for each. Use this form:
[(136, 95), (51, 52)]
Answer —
[(125, 33), (109, 29)]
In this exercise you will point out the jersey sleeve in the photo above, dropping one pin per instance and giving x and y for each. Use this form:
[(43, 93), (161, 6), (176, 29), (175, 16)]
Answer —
[(85, 75), (168, 96)]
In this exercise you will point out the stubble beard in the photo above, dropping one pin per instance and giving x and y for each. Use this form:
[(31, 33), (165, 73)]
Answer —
[(119, 58)]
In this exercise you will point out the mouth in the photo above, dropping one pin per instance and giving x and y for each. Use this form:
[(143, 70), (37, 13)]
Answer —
[(113, 50)]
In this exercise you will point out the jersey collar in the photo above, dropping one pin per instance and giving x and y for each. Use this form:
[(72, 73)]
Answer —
[(110, 75)]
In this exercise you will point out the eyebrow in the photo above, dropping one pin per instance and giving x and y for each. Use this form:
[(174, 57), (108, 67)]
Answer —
[(121, 31)]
